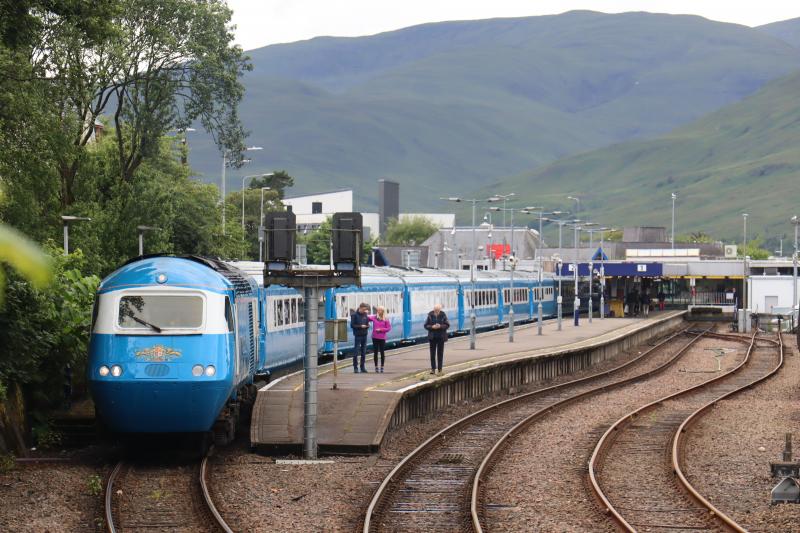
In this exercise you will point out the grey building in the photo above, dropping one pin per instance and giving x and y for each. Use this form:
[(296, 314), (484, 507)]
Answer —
[(452, 247), (388, 203)]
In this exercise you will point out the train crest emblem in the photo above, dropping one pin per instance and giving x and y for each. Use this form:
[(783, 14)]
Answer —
[(158, 353)]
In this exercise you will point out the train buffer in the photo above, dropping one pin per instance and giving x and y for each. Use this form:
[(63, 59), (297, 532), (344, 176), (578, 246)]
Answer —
[(357, 415)]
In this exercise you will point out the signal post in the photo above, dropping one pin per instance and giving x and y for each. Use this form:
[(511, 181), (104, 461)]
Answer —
[(280, 269)]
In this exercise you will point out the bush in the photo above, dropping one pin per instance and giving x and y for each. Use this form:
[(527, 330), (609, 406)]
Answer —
[(42, 330)]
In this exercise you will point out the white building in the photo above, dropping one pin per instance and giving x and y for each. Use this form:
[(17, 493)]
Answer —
[(311, 211)]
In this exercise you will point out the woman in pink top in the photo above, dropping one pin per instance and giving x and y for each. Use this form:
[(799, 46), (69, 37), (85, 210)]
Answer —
[(380, 327)]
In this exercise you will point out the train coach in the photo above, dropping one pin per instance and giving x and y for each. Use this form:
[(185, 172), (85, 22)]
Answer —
[(177, 342)]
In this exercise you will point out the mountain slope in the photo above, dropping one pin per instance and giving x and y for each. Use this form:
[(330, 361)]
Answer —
[(742, 158), (785, 30), (445, 105)]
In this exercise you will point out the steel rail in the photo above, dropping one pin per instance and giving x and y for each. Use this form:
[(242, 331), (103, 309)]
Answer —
[(605, 440), (221, 524), (202, 479), (109, 493), (679, 442), (407, 461), (490, 457)]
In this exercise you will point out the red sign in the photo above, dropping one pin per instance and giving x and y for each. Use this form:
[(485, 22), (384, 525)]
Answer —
[(497, 251)]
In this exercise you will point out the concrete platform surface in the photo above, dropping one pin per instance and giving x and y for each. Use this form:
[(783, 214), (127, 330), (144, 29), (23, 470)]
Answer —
[(357, 413)]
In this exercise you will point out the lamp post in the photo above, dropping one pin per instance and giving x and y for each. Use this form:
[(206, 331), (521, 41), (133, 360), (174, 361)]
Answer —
[(577, 302), (795, 303), (674, 196), (591, 268), (603, 274), (142, 230), (261, 226), (513, 267), (262, 194), (504, 197), (472, 317), (225, 166), (559, 299), (67, 220), (577, 203), (744, 259)]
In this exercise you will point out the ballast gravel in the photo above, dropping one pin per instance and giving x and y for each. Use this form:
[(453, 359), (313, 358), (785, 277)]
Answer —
[(539, 483), (729, 450)]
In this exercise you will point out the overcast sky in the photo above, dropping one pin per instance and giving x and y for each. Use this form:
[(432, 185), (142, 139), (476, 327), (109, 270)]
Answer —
[(263, 22)]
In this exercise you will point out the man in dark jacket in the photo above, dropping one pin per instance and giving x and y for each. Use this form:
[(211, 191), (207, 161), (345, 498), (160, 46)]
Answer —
[(437, 325), (359, 323)]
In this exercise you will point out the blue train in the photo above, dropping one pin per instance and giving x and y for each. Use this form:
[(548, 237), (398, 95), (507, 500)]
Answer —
[(177, 341)]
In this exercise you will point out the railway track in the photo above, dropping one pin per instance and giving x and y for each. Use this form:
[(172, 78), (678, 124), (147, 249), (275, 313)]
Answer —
[(435, 487), (155, 497), (636, 469)]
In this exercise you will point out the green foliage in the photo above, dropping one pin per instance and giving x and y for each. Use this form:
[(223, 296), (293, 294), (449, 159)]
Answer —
[(42, 330), (247, 248), (46, 437), (412, 231), (696, 237), (95, 485), (7, 463), (278, 182), (755, 249), (318, 244)]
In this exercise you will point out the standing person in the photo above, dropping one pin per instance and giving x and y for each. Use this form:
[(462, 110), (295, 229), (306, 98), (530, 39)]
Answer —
[(437, 325), (359, 323), (380, 327), (661, 299), (646, 304)]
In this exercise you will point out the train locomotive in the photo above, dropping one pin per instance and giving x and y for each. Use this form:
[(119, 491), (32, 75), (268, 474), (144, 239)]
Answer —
[(177, 342)]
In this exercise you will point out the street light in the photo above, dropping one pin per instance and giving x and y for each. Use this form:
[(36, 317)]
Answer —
[(559, 299), (243, 180), (577, 203), (505, 197), (472, 317), (142, 230), (577, 302), (795, 222), (261, 227), (224, 166), (67, 220), (744, 259), (591, 266), (513, 267), (674, 196)]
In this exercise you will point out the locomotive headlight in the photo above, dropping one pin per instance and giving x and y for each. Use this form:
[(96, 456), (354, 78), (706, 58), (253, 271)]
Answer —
[(103, 371), (116, 371), (197, 370), (210, 370)]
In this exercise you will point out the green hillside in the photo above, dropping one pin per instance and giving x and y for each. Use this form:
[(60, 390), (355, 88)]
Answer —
[(785, 30), (742, 158), (446, 105)]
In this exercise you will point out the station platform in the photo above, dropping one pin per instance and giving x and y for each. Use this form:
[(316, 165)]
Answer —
[(357, 414)]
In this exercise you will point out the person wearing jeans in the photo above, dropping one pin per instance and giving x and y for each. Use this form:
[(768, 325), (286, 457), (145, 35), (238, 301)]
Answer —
[(359, 323), (380, 327), (437, 325)]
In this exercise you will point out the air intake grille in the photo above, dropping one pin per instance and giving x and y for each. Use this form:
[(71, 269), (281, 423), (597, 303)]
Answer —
[(156, 371)]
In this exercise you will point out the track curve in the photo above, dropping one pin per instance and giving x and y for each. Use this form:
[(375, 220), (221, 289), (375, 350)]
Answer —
[(430, 487), (650, 437)]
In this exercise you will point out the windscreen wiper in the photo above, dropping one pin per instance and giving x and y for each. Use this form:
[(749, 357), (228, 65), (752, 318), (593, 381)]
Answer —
[(146, 323)]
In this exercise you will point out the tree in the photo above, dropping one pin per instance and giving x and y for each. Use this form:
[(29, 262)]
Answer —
[(412, 231), (278, 182), (248, 248), (755, 249), (163, 65)]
